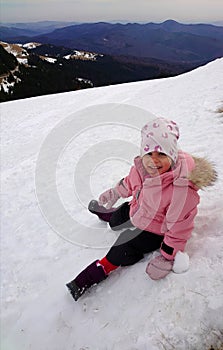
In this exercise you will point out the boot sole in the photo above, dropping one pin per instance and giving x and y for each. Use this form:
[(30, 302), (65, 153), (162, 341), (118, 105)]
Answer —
[(74, 290), (95, 208)]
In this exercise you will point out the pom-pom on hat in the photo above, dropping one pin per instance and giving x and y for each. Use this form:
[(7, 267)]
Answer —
[(160, 135)]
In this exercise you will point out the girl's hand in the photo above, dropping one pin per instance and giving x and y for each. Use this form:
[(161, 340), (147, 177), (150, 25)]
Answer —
[(159, 267), (109, 198)]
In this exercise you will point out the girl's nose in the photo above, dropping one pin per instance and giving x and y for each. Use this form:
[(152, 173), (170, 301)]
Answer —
[(155, 157)]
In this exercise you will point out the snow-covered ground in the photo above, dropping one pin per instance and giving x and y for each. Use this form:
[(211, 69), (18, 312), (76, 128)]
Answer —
[(59, 152)]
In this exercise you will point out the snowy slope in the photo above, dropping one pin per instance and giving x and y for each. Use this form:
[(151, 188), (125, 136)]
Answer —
[(60, 151)]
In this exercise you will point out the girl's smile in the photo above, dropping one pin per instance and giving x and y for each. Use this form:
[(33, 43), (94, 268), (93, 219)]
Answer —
[(156, 163)]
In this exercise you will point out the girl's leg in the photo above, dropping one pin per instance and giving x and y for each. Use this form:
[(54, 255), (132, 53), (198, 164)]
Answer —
[(92, 274), (127, 250), (120, 218), (103, 213), (131, 246)]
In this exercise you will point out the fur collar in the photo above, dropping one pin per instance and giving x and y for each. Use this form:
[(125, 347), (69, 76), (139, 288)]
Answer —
[(204, 173)]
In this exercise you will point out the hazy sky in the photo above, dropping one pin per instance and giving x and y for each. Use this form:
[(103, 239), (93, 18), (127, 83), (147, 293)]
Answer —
[(105, 10)]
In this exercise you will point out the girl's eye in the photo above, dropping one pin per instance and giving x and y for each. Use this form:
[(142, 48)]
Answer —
[(159, 154)]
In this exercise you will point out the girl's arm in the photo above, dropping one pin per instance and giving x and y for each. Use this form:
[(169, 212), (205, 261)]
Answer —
[(122, 189), (180, 221), (126, 186)]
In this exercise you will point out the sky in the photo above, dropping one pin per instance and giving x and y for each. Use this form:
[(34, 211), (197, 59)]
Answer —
[(111, 10)]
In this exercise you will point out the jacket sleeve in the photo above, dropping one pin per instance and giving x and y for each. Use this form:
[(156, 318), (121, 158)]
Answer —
[(125, 186), (179, 220)]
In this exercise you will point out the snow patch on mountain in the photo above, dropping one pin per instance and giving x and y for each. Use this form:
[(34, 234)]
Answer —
[(31, 45), (83, 55), (17, 50), (48, 59)]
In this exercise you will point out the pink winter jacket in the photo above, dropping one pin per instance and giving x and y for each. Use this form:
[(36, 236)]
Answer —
[(165, 204)]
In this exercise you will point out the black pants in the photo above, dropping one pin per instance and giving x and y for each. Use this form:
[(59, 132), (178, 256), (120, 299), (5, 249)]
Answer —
[(131, 245), (120, 218)]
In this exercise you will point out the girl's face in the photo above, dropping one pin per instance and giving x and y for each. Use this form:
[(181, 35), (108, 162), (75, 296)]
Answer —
[(156, 163)]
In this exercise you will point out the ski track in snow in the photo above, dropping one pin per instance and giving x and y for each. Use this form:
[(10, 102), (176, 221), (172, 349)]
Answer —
[(127, 311)]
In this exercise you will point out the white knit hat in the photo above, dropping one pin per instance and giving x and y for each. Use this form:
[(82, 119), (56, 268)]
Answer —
[(160, 135)]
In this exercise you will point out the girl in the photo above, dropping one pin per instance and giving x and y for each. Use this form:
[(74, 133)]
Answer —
[(163, 183)]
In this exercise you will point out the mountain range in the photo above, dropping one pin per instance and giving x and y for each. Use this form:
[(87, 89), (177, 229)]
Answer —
[(77, 56), (169, 41)]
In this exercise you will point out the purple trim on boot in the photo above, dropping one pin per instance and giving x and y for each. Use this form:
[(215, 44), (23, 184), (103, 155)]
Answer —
[(92, 274), (104, 216)]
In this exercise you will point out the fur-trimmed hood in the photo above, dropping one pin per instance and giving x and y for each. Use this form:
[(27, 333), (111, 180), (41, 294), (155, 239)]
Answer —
[(200, 171), (204, 173)]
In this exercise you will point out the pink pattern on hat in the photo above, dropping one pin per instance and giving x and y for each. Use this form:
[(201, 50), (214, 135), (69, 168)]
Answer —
[(165, 135), (177, 132), (156, 125), (158, 148)]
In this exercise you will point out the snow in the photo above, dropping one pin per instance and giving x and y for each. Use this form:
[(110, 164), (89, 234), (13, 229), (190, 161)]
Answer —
[(59, 152), (83, 55), (49, 59), (181, 262), (5, 85), (18, 51), (15, 50), (22, 60), (85, 81), (31, 45)]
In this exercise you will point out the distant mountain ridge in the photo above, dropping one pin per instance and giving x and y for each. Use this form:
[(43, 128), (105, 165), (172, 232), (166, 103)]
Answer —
[(36, 28), (169, 41)]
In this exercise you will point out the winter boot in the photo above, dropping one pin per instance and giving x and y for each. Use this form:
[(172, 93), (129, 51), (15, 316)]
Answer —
[(92, 274), (103, 213)]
